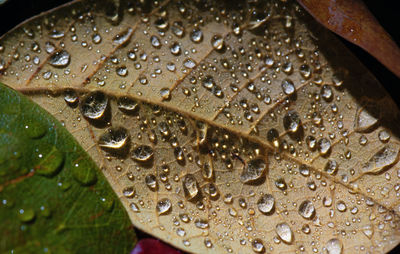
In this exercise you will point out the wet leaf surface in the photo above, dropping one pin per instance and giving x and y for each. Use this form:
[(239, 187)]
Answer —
[(224, 129), (353, 21), (53, 197)]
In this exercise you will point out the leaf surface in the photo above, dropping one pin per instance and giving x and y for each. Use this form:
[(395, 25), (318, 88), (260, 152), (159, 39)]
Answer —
[(53, 197), (227, 128)]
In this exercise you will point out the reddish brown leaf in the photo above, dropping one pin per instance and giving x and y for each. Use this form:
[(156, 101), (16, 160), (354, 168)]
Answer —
[(352, 20)]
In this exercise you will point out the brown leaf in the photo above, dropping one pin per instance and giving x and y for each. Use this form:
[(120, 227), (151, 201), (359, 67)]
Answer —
[(231, 129), (352, 20)]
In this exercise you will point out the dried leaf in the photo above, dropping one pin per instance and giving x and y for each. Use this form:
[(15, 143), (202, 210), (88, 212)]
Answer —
[(353, 21), (240, 129)]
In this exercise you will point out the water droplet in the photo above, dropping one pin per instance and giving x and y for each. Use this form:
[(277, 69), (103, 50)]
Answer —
[(324, 146), (281, 184), (165, 94), (129, 192), (163, 206), (177, 29), (266, 204), (334, 246), (341, 206), (71, 97), (201, 223), (288, 87), (326, 92), (127, 104), (258, 246), (26, 215), (384, 136), (175, 49), (94, 105), (331, 167), (35, 129), (196, 35), (381, 160), (51, 163), (253, 171), (122, 71), (368, 231), (143, 153), (208, 82), (307, 209), (365, 121), (273, 137), (134, 207), (291, 121), (189, 63), (190, 186), (115, 138), (60, 59), (151, 182), (155, 42), (284, 232), (305, 71), (84, 172), (304, 170), (217, 42), (96, 38), (208, 243), (123, 37)]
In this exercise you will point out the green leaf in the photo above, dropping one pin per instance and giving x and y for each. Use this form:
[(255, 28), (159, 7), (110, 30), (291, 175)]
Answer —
[(53, 197)]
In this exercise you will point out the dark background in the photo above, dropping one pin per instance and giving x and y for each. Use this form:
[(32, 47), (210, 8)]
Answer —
[(15, 11)]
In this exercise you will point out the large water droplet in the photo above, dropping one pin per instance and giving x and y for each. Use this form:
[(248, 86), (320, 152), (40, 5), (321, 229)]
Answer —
[(217, 42), (291, 121), (284, 232), (253, 171), (334, 246), (60, 59), (26, 215), (143, 153), (331, 167), (155, 42), (324, 146), (51, 163), (123, 38), (127, 104), (201, 223), (190, 186), (307, 209), (115, 138), (288, 87), (163, 206), (151, 182), (365, 121), (266, 204), (381, 160), (196, 35), (94, 105), (258, 246)]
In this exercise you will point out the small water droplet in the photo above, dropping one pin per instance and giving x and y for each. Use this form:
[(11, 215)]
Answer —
[(291, 121), (151, 182), (26, 215), (288, 87), (196, 35)]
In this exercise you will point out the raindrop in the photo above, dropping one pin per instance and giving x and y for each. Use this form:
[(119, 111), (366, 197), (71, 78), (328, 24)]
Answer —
[(127, 104), (266, 204), (60, 59), (288, 87), (201, 223), (305, 71), (208, 82), (284, 232), (365, 121), (96, 38), (26, 215), (94, 105), (324, 146), (217, 42), (334, 246), (341, 206), (331, 167), (115, 138), (71, 97), (190, 186), (151, 182), (258, 246), (382, 159), (326, 92), (307, 209), (143, 153), (122, 71), (189, 63), (123, 38), (253, 171), (128, 192), (196, 35), (291, 121), (163, 206), (155, 42)]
